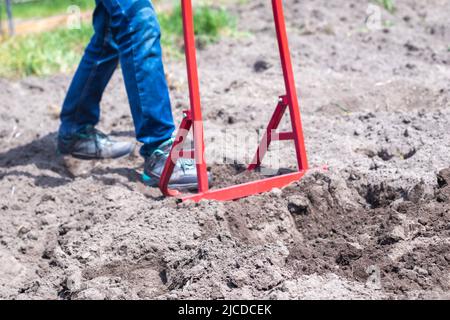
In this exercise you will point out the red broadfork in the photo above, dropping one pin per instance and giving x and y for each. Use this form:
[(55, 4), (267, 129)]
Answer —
[(193, 120)]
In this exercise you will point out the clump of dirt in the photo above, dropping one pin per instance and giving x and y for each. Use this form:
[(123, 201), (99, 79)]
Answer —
[(228, 175), (406, 241), (376, 225)]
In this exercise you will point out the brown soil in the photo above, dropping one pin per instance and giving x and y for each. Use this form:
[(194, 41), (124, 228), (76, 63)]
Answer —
[(23, 27), (375, 225)]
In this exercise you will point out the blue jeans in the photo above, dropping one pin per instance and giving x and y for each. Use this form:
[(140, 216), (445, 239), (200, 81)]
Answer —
[(127, 31)]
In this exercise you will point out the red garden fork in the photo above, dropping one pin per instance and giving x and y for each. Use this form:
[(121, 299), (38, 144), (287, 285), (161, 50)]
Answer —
[(193, 120)]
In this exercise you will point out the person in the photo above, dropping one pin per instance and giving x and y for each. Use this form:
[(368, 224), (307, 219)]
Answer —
[(126, 31)]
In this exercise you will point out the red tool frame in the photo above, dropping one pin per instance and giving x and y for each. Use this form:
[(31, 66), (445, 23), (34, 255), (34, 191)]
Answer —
[(193, 120)]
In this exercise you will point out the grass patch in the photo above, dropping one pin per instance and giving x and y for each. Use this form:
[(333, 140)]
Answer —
[(46, 8), (60, 50), (43, 54), (389, 5), (210, 24)]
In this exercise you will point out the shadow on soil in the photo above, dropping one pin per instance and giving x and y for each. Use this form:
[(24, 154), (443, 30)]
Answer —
[(42, 154)]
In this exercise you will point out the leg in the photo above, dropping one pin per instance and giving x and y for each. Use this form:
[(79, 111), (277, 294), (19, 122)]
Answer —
[(136, 31), (82, 105)]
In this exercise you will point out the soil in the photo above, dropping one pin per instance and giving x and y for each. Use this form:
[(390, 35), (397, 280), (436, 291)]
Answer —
[(370, 220)]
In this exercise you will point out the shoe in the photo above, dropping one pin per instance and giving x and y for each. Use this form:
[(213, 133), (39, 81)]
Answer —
[(91, 144), (184, 177)]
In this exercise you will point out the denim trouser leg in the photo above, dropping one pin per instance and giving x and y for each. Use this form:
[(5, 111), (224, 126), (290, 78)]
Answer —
[(82, 104), (132, 31)]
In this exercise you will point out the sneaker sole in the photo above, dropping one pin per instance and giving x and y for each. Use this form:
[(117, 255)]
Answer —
[(154, 183), (90, 158)]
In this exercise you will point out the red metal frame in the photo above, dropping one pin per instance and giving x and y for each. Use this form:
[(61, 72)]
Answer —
[(193, 120)]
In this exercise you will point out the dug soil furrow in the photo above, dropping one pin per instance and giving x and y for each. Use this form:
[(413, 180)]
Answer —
[(374, 225)]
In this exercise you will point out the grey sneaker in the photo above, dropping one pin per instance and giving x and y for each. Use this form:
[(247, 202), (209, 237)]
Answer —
[(184, 176), (91, 144)]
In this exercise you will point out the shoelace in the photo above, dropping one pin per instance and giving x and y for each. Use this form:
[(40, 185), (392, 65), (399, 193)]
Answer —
[(97, 136), (185, 164)]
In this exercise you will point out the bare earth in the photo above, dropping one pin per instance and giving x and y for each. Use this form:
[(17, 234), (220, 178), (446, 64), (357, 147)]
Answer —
[(375, 225)]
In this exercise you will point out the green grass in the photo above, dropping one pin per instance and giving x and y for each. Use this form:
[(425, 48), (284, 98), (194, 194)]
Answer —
[(46, 8), (43, 54), (60, 50), (389, 5), (210, 24)]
